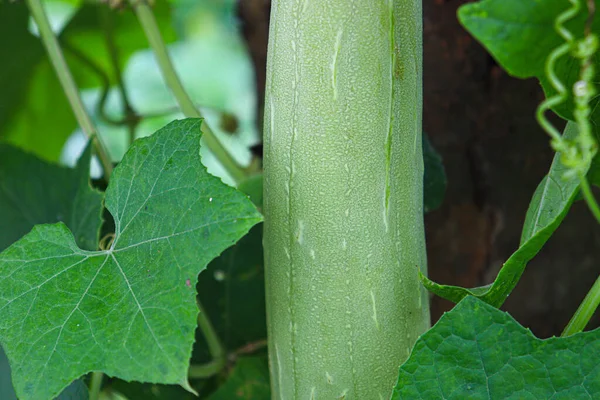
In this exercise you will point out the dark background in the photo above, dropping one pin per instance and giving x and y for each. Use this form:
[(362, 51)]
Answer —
[(482, 123)]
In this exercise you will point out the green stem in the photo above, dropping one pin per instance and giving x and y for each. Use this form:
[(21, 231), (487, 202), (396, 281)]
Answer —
[(585, 311), (66, 80), (148, 23), (108, 25), (205, 370), (131, 118), (588, 195), (215, 347), (96, 385)]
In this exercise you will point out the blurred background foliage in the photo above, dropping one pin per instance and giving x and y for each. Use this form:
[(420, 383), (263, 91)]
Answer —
[(119, 79)]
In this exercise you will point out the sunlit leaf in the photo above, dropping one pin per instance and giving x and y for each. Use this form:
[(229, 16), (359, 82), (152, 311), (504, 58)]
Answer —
[(130, 310)]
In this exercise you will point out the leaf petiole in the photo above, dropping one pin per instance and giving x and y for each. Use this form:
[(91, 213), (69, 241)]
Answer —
[(96, 385), (215, 347), (589, 198), (67, 82), (586, 310), (148, 22)]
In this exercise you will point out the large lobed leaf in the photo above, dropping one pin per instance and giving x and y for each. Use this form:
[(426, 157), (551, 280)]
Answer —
[(232, 292), (128, 311), (35, 192), (478, 352), (549, 206)]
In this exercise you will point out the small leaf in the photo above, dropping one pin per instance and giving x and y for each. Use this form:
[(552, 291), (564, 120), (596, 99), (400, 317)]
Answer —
[(549, 206), (520, 35), (128, 311), (434, 179), (248, 381), (35, 192), (478, 352), (253, 187)]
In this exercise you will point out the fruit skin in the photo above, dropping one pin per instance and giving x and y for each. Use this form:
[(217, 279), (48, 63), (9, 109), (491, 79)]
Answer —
[(343, 196)]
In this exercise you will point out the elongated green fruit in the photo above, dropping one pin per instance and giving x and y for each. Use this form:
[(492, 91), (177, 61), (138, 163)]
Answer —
[(343, 196)]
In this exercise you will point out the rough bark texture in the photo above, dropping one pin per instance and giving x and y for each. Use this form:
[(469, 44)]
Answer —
[(343, 200)]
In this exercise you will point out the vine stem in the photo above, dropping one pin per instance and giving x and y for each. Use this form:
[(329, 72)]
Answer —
[(585, 311), (586, 191), (131, 118), (148, 22), (215, 347), (67, 82), (96, 385)]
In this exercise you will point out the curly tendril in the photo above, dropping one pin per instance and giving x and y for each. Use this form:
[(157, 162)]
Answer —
[(576, 154)]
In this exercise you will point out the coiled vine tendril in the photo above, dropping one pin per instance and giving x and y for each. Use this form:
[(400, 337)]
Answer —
[(576, 154)]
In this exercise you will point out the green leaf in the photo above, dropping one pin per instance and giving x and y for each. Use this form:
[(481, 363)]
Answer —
[(478, 352), (75, 391), (248, 381), (520, 35), (35, 192), (232, 292), (44, 120), (434, 179), (87, 33), (23, 50), (253, 187), (34, 112), (549, 206), (128, 311)]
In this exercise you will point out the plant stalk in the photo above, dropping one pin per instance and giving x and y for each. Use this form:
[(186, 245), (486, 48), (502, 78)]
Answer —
[(343, 196), (589, 198), (586, 310), (96, 385), (131, 118), (148, 22), (66, 80), (215, 347)]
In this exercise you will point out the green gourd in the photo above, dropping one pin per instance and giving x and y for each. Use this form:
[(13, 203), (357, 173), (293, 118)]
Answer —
[(343, 196)]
